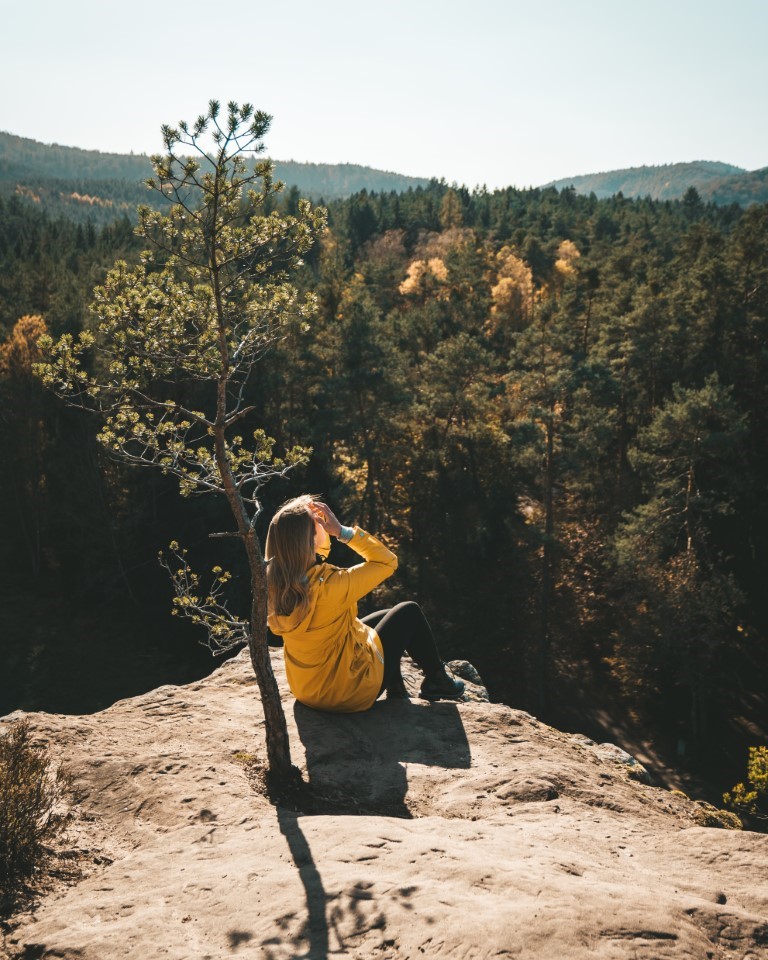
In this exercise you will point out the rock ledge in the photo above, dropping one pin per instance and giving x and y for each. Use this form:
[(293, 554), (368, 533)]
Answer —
[(502, 837)]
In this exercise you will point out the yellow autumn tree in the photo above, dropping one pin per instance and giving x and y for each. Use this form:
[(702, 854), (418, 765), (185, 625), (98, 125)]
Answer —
[(426, 277), (427, 273), (431, 243), (20, 351), (567, 255), (513, 294), (24, 431)]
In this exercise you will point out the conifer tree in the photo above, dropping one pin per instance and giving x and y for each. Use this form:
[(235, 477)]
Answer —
[(690, 459), (168, 358)]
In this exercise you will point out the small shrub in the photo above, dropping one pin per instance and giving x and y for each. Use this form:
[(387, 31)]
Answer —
[(29, 793), (709, 816), (752, 798)]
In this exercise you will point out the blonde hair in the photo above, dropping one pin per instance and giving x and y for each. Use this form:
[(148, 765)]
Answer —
[(290, 552)]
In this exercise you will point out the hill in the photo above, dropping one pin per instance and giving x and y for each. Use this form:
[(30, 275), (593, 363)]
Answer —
[(22, 159), (722, 183), (742, 188), (431, 830), (100, 186)]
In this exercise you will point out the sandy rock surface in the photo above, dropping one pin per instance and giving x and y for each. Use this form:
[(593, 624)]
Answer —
[(462, 830)]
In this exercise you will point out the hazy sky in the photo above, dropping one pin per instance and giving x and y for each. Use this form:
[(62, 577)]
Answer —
[(495, 92)]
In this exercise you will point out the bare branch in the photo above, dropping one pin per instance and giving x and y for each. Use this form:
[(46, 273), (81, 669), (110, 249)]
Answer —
[(239, 413)]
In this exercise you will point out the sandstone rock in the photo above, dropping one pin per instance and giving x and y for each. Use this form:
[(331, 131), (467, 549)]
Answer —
[(634, 769), (447, 830)]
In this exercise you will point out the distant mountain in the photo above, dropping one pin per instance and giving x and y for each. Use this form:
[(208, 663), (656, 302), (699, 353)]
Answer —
[(743, 188), (24, 159), (74, 181), (338, 180), (722, 183)]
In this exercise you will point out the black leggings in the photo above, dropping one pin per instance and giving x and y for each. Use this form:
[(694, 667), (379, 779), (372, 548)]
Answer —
[(404, 629)]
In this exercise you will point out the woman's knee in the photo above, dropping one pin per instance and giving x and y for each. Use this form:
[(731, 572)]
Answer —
[(402, 623), (408, 611), (410, 617)]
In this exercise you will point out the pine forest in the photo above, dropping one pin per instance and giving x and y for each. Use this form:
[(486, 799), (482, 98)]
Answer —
[(553, 407)]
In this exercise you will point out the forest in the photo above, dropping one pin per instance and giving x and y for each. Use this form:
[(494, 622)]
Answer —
[(553, 407)]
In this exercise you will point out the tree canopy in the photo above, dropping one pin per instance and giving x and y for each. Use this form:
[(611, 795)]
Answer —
[(553, 406)]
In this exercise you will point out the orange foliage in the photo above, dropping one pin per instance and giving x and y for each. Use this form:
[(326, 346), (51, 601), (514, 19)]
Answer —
[(450, 210), (19, 351), (30, 194), (427, 273), (421, 270), (85, 198), (513, 293), (431, 244), (386, 247), (567, 254)]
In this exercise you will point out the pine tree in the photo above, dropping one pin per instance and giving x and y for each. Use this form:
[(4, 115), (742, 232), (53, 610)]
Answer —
[(689, 458), (177, 339)]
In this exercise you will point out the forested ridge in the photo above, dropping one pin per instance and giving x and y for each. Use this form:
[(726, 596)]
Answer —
[(722, 183), (92, 187), (552, 406)]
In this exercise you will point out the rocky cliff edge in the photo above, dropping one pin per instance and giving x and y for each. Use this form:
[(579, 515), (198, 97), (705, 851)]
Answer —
[(463, 830)]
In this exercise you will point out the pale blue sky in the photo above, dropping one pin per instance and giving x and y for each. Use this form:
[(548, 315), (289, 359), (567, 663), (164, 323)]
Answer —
[(500, 92)]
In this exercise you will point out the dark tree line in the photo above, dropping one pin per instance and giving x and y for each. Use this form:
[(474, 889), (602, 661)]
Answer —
[(553, 406)]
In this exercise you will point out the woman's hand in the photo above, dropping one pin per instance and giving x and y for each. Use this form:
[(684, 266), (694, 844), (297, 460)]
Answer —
[(325, 517)]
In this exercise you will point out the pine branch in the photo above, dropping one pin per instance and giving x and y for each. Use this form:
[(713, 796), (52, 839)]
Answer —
[(225, 630)]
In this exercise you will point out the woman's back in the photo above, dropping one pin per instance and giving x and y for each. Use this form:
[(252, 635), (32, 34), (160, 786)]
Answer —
[(333, 661)]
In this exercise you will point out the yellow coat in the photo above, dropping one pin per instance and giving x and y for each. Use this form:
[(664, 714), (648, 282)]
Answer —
[(333, 661)]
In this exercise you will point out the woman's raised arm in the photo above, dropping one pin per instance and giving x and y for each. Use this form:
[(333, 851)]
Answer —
[(347, 586)]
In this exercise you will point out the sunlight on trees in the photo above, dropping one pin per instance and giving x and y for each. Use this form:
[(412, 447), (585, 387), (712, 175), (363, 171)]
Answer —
[(567, 255), (752, 797), (513, 294)]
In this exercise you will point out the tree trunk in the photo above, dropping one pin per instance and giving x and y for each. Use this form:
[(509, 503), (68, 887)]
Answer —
[(587, 319), (546, 571), (369, 495), (276, 729), (278, 744), (687, 511)]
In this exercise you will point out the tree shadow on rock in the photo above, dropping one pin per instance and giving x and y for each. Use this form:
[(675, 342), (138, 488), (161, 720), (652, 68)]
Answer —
[(314, 929), (349, 921), (355, 766)]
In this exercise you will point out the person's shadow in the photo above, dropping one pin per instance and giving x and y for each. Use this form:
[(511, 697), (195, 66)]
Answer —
[(356, 761), (356, 766)]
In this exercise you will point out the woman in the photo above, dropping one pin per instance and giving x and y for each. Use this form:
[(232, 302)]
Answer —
[(334, 660)]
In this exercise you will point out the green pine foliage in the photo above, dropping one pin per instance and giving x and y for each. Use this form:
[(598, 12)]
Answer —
[(174, 342), (752, 798)]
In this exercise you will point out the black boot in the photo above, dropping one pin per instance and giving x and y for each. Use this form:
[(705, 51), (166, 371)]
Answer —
[(397, 689), (439, 686)]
